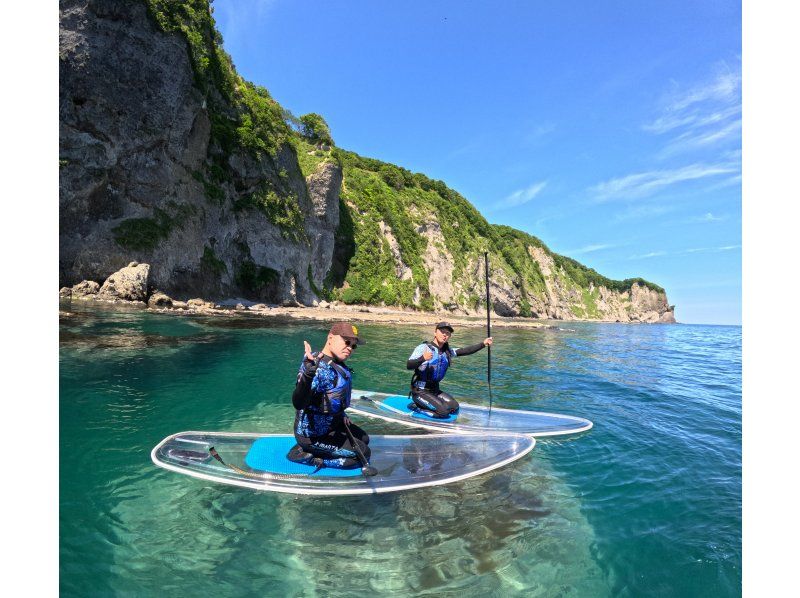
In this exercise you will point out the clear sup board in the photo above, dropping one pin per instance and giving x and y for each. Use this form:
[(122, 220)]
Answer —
[(470, 419), (259, 461)]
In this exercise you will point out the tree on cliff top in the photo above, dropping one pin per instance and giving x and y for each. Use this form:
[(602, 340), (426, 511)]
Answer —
[(315, 129)]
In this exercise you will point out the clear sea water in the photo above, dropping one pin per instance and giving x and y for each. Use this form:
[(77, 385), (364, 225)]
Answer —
[(648, 502)]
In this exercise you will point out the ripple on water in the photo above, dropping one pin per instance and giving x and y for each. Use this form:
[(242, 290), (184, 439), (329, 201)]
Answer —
[(510, 531), (647, 502)]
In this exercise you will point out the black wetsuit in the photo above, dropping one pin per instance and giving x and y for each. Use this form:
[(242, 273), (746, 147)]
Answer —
[(425, 391)]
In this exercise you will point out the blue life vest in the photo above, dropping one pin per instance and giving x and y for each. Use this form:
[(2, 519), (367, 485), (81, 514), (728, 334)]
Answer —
[(431, 372), (326, 406)]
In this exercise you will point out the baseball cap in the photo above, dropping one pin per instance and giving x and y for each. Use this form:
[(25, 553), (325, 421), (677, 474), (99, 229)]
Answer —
[(347, 330), (444, 325)]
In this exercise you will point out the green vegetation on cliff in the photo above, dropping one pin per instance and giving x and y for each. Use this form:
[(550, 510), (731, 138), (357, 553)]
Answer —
[(140, 233), (211, 262), (310, 156), (243, 115), (392, 221), (144, 234), (408, 203), (577, 272), (280, 209), (315, 129)]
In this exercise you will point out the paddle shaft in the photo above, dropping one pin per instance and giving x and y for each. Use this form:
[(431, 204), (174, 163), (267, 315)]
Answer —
[(366, 468), (488, 329), (488, 320)]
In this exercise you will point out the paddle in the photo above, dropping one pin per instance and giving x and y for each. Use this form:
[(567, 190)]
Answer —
[(367, 469), (488, 331)]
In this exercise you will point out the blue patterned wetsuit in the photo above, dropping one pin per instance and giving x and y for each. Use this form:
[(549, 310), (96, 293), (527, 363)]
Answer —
[(425, 391), (321, 396)]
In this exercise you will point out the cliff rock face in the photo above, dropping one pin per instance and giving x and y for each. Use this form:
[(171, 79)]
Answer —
[(565, 300), (134, 135), (169, 158)]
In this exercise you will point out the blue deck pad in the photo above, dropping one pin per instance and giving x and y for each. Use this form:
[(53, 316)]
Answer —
[(269, 454), (400, 403)]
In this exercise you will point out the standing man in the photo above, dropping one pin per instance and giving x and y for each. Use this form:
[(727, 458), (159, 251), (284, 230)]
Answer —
[(430, 361), (321, 396)]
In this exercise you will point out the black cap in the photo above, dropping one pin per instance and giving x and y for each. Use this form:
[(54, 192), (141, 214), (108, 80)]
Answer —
[(445, 326)]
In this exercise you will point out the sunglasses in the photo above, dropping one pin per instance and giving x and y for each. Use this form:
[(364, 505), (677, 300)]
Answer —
[(352, 343)]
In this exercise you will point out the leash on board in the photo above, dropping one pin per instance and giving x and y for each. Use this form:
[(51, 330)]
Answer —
[(258, 476)]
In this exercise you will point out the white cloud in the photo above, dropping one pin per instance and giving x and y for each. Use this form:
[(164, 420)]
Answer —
[(648, 255), (694, 119), (640, 211), (708, 249), (734, 155), (705, 115), (644, 184), (520, 197), (725, 88), (590, 249), (694, 140), (710, 137), (685, 251), (735, 180), (707, 217), (538, 132)]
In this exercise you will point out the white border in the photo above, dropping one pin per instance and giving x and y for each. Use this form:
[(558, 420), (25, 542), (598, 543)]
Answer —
[(412, 422), (323, 492)]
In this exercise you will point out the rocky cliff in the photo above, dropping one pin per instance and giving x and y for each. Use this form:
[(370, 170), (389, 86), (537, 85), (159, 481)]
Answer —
[(144, 178), (169, 158)]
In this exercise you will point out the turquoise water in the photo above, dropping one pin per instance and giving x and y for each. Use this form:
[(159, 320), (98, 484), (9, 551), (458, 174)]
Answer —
[(646, 503)]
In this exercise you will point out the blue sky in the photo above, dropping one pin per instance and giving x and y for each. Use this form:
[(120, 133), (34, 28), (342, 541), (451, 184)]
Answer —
[(611, 131)]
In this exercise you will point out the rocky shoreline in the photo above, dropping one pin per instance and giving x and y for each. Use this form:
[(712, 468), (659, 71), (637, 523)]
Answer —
[(330, 312), (129, 286)]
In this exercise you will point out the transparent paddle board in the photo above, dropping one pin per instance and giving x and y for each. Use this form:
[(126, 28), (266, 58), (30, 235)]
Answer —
[(470, 419), (259, 461)]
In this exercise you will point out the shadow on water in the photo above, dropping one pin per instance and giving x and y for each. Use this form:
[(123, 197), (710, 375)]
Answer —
[(130, 340)]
